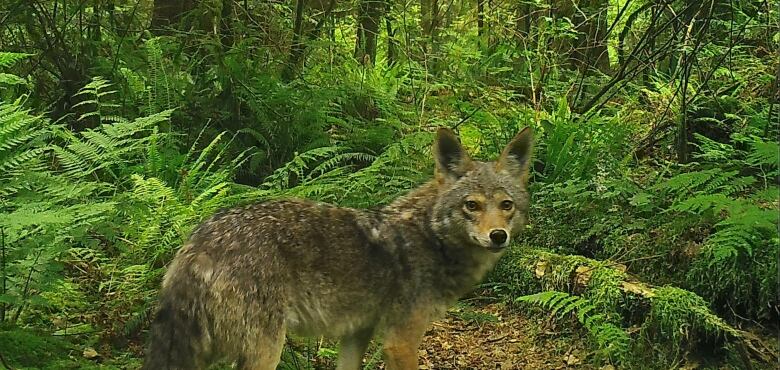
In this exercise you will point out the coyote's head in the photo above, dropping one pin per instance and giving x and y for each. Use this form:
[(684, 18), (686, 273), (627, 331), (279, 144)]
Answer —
[(483, 204)]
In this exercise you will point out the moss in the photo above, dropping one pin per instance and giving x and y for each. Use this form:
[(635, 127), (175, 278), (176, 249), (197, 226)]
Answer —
[(679, 314), (604, 289), (26, 348)]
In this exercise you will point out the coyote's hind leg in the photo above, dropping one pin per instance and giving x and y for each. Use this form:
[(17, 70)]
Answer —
[(264, 351)]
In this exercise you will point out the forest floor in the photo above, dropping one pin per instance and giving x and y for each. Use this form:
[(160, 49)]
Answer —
[(479, 333), (473, 335), (495, 336)]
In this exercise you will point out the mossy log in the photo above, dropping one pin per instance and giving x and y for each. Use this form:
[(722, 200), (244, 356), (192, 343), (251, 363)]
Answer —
[(660, 308)]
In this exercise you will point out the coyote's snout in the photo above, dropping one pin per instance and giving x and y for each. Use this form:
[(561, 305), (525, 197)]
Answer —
[(248, 275)]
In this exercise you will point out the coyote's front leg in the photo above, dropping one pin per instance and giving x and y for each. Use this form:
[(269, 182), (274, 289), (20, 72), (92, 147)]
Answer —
[(402, 341)]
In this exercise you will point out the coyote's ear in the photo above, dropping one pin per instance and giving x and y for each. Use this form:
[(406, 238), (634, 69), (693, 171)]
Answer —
[(516, 157), (452, 161)]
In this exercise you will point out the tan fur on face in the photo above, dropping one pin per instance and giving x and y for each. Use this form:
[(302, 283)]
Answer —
[(490, 216)]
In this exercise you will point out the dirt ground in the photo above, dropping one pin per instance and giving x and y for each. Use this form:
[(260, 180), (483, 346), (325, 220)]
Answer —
[(493, 336)]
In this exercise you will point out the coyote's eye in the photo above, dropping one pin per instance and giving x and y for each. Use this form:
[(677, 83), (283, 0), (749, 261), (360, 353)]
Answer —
[(472, 205), (507, 205)]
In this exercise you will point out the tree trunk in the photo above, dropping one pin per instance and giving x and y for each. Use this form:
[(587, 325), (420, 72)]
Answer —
[(169, 13), (524, 18), (481, 18), (226, 24), (590, 49), (392, 44), (297, 46), (589, 17), (425, 21), (371, 12), (429, 22), (301, 37)]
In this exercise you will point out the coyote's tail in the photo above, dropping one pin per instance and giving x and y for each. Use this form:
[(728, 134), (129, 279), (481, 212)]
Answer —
[(176, 336)]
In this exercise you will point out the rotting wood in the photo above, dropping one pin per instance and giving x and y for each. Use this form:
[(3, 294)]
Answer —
[(747, 344)]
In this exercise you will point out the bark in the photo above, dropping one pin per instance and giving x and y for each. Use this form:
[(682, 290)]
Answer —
[(226, 24), (589, 18), (524, 18), (297, 47), (371, 12), (592, 42), (169, 13), (481, 18), (429, 22), (425, 16), (301, 36), (392, 44)]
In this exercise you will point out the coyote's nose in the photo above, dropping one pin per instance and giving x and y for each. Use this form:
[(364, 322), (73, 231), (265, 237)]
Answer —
[(498, 236)]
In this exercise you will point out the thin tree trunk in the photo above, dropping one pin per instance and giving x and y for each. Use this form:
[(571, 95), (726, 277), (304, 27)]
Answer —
[(297, 46), (226, 20), (682, 131), (371, 11), (425, 21), (392, 45), (590, 48), (481, 18)]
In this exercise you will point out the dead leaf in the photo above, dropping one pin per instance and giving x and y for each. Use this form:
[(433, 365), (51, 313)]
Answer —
[(582, 275), (541, 268), (90, 353)]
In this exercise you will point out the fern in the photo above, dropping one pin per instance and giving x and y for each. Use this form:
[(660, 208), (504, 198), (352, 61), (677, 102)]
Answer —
[(108, 147), (97, 93), (746, 227), (764, 154), (684, 184), (612, 341), (158, 86), (21, 137), (8, 59)]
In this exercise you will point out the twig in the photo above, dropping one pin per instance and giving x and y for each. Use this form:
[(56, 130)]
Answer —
[(26, 289), (464, 119), (4, 362), (497, 339)]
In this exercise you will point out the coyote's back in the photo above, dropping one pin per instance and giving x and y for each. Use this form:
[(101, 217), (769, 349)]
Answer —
[(248, 275)]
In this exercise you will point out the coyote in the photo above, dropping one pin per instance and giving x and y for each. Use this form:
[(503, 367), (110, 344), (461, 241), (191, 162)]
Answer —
[(248, 275)]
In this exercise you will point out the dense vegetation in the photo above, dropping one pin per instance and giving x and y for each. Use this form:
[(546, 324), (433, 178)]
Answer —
[(655, 185)]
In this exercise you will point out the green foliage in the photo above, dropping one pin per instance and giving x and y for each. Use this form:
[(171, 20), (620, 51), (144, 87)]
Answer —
[(41, 212), (612, 341), (572, 149), (738, 255), (30, 349), (7, 60)]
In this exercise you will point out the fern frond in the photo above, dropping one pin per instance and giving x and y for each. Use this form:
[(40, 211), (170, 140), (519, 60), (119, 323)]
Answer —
[(764, 153), (612, 341), (8, 59)]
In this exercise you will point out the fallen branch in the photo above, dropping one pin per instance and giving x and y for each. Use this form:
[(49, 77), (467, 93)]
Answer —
[(576, 275)]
